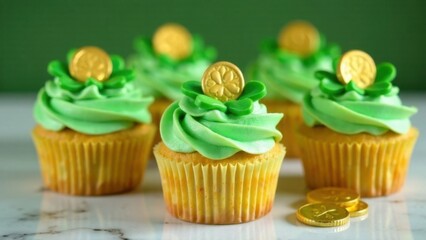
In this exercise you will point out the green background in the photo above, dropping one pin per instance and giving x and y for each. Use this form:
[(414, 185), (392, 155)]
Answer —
[(34, 32)]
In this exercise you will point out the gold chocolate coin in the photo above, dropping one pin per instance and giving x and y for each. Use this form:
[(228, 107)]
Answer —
[(357, 66), (322, 215), (90, 62), (340, 196), (359, 210), (173, 40), (223, 81), (352, 208), (299, 37)]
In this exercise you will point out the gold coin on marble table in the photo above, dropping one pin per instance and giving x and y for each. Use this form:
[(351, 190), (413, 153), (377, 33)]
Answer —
[(340, 196), (322, 215), (359, 209)]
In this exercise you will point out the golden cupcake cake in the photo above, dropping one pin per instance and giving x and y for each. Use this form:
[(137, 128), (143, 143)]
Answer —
[(286, 66), (357, 133), (165, 61), (93, 133), (220, 155)]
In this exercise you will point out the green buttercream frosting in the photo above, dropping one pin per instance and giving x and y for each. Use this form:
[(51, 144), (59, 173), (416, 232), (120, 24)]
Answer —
[(218, 130), (349, 109), (91, 107), (161, 76), (289, 76)]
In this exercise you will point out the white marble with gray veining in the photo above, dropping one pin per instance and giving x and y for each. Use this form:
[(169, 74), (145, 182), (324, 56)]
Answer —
[(27, 211)]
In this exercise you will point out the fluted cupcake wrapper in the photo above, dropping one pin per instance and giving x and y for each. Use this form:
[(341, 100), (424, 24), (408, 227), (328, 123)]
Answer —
[(85, 167), (263, 228), (219, 193), (373, 168), (288, 125)]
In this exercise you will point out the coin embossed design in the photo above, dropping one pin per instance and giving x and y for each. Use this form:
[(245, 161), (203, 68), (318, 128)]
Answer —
[(340, 196), (299, 37), (357, 66), (173, 40), (90, 62), (223, 81), (323, 215)]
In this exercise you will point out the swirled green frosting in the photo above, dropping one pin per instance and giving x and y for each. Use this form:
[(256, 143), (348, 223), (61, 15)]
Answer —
[(162, 76), (289, 76), (349, 109), (92, 107), (218, 130)]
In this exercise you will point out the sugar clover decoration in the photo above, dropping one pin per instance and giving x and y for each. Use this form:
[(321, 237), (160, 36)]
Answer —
[(243, 105), (119, 77), (386, 73)]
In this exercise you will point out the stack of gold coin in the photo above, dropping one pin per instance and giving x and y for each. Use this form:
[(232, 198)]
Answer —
[(331, 207)]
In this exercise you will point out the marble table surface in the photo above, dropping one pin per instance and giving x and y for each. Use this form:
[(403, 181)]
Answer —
[(28, 211)]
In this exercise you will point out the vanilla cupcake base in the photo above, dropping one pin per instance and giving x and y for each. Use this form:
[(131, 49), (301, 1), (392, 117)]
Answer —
[(288, 125), (234, 190), (372, 165), (79, 164)]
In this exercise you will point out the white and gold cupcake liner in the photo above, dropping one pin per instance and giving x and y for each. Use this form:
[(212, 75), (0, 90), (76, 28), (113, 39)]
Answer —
[(78, 164), (219, 192), (372, 165)]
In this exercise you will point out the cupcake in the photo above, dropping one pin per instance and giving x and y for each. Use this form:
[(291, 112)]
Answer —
[(220, 157), (93, 134), (287, 67), (357, 134), (172, 57)]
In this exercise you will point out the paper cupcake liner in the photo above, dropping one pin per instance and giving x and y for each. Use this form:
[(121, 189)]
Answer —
[(288, 125), (219, 193), (262, 229), (372, 165), (78, 164), (157, 109)]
